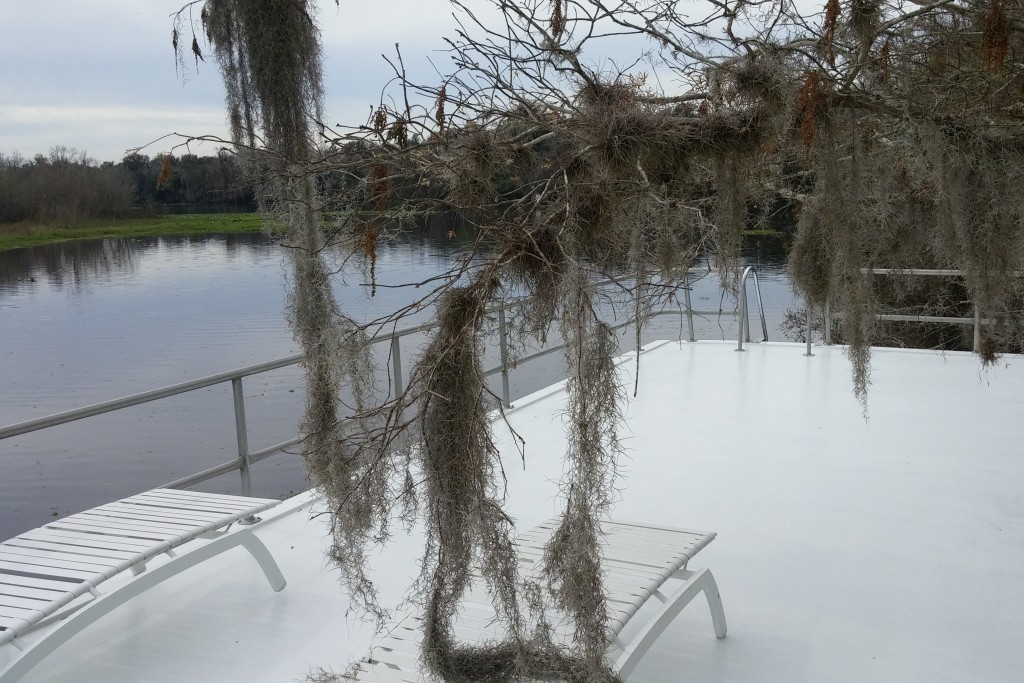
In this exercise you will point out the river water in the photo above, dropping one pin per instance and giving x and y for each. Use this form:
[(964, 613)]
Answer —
[(84, 322)]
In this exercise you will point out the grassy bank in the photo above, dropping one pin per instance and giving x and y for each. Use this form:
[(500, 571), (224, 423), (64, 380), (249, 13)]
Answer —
[(13, 236), (17, 235)]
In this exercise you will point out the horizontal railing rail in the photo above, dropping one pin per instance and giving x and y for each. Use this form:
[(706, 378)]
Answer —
[(247, 458), (976, 320), (145, 397)]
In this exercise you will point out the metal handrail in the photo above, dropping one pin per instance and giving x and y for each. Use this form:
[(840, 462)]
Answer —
[(744, 308), (246, 458), (976, 320), (144, 397)]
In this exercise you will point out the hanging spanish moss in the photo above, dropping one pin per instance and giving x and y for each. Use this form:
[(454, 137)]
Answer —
[(980, 210), (269, 52), (827, 258), (465, 519), (572, 558), (730, 217)]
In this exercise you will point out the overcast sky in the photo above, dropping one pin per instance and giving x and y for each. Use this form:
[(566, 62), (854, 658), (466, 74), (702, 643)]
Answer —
[(99, 75)]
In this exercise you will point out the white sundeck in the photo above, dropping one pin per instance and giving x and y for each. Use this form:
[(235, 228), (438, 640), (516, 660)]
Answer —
[(848, 549)]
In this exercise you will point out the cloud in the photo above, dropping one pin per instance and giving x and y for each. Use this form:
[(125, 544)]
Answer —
[(379, 25), (106, 131), (56, 114), (100, 75)]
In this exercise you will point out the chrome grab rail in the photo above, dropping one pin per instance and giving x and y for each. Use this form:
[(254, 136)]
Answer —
[(744, 308), (246, 458)]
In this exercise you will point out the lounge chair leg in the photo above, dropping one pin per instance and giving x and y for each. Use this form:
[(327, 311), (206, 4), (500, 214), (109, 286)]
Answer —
[(266, 560), (715, 603), (700, 581)]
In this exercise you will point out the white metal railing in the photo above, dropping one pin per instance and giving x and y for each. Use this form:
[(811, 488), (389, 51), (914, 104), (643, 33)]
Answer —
[(976, 320), (247, 458)]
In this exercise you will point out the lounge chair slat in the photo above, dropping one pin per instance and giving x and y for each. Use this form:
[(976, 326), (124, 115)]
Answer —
[(684, 546), (140, 513), (634, 534), (26, 591), (238, 501), (647, 559), (660, 527), (162, 505), (12, 623), (142, 524), (64, 568), (70, 575), (610, 564), (175, 503), (614, 565), (155, 513), (638, 571), (111, 530), (387, 674), (57, 587), (187, 499), (401, 644), (640, 527), (648, 554), (643, 589), (85, 562), (408, 660), (108, 521), (654, 547), (20, 613), (21, 601), (20, 554), (619, 534), (87, 540), (650, 549), (76, 550)]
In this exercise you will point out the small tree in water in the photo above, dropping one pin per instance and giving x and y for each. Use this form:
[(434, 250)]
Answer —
[(894, 130)]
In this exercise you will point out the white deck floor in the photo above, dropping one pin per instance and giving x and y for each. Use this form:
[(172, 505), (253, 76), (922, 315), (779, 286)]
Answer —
[(886, 550)]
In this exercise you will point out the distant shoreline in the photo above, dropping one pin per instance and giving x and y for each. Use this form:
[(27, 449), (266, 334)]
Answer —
[(17, 235)]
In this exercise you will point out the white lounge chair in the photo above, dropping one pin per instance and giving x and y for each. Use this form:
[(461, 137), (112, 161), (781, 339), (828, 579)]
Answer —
[(46, 573), (639, 560)]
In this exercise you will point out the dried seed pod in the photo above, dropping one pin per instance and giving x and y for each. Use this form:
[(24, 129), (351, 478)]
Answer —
[(439, 116), (995, 37), (165, 172)]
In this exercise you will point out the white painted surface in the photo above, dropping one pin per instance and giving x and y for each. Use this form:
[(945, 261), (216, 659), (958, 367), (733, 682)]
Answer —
[(886, 550)]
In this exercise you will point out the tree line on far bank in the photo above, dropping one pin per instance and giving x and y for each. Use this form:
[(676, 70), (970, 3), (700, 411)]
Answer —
[(67, 186)]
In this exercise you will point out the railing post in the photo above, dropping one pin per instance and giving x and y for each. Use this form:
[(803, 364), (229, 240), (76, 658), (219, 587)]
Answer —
[(743, 317), (689, 305), (977, 328), (760, 307), (503, 346), (242, 437), (828, 321), (396, 365), (810, 314), (746, 316)]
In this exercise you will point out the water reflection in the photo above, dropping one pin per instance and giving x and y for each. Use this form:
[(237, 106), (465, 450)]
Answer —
[(69, 263)]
